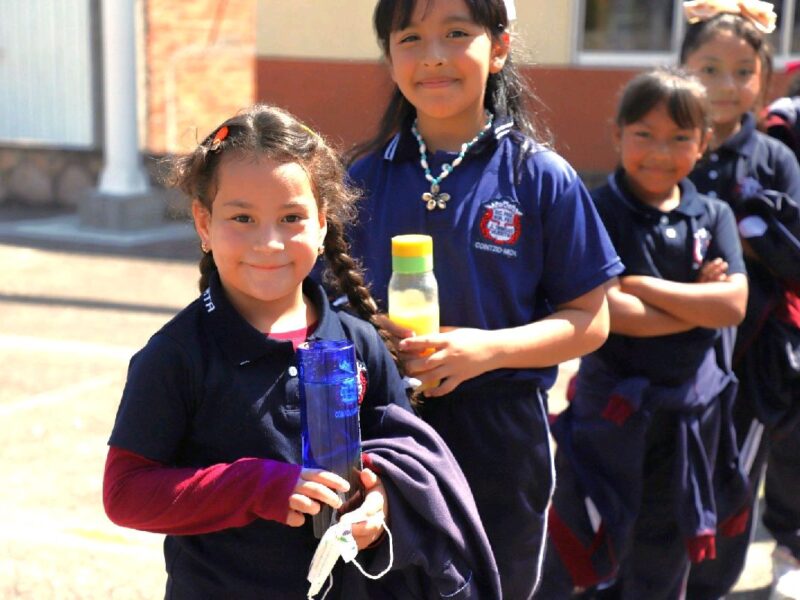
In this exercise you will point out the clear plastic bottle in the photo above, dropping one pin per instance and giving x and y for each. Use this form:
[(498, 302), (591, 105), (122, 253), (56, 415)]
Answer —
[(413, 293)]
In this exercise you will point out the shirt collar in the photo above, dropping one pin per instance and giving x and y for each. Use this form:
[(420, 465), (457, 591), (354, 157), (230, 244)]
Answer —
[(690, 204), (403, 146), (743, 141), (242, 342)]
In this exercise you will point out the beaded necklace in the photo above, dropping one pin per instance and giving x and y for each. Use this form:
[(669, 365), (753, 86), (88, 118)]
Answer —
[(436, 199)]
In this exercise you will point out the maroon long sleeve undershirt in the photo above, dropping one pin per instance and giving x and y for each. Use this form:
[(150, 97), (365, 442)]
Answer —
[(144, 494)]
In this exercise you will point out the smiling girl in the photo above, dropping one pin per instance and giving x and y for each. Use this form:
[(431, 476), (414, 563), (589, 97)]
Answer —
[(520, 256), (206, 446), (726, 47), (635, 441)]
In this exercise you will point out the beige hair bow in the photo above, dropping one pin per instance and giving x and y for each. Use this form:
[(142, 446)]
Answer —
[(760, 14)]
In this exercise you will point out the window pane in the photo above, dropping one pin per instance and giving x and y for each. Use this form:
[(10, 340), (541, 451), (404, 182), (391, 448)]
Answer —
[(633, 25)]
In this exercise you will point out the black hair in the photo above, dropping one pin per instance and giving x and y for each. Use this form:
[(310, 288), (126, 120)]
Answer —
[(701, 32), (264, 131), (507, 92), (681, 93)]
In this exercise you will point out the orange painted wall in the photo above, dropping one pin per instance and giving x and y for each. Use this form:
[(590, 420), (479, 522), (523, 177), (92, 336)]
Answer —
[(344, 100)]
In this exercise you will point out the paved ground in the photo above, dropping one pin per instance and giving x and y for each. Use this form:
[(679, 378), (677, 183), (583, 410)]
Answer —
[(71, 314)]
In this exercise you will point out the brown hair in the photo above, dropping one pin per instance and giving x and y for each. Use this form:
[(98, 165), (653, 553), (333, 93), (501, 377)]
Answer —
[(508, 93), (682, 94), (269, 132)]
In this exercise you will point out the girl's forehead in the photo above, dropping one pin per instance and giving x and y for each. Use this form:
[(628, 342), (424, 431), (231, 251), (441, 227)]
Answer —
[(421, 10), (721, 43)]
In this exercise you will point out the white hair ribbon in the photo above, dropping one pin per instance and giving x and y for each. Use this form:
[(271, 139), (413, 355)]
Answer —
[(761, 14)]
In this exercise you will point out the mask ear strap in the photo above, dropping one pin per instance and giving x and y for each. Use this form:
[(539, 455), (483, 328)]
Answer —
[(391, 558)]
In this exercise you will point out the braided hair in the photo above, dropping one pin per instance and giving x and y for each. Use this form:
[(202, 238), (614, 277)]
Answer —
[(270, 132)]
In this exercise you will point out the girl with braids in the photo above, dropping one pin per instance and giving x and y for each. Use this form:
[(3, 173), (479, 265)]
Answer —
[(520, 255), (206, 445)]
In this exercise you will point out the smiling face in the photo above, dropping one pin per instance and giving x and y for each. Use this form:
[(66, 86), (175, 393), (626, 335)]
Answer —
[(441, 61), (731, 70), (657, 153), (264, 231)]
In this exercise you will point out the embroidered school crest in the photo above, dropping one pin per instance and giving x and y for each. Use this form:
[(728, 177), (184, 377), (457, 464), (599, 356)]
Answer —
[(501, 222), (361, 380), (702, 240)]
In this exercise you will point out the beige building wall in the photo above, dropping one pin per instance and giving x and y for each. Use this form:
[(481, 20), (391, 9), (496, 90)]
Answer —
[(342, 30), (546, 29), (316, 29)]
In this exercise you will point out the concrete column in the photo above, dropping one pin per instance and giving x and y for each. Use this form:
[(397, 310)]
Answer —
[(123, 199), (123, 173)]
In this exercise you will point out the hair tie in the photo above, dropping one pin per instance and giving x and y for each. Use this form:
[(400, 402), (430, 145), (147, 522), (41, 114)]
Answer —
[(760, 14), (221, 134), (309, 130)]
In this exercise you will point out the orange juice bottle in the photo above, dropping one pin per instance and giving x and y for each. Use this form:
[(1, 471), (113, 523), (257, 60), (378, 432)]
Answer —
[(413, 294)]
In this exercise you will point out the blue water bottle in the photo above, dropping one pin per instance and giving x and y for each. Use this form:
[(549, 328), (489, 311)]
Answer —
[(329, 414)]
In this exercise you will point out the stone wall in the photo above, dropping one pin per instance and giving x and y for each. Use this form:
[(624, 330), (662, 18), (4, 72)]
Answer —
[(47, 177), (53, 178)]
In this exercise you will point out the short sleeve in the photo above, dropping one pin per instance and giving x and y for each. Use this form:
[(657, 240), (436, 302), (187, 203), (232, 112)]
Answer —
[(578, 253), (154, 413)]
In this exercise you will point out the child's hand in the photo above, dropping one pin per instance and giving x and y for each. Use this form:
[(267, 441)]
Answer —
[(314, 487), (458, 354), (714, 270), (366, 522)]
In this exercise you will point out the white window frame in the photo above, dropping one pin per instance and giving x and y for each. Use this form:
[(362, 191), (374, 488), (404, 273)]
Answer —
[(624, 58)]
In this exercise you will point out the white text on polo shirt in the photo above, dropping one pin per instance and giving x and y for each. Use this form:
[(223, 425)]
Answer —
[(208, 301), (496, 249)]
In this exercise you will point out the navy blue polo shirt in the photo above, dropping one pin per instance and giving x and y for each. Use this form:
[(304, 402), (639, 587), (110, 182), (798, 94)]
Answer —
[(673, 246), (208, 388), (518, 237), (748, 154)]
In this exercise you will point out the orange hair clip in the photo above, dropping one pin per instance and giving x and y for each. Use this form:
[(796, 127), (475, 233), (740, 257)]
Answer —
[(221, 134)]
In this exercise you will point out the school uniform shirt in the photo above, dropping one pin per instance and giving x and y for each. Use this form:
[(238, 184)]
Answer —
[(767, 161), (670, 245), (625, 386), (210, 392), (518, 236), (745, 163)]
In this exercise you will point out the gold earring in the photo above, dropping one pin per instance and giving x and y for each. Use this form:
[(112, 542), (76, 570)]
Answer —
[(321, 250), (204, 248)]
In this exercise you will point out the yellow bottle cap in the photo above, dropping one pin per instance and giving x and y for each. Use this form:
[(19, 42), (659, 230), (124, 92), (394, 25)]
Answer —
[(412, 253), (412, 245)]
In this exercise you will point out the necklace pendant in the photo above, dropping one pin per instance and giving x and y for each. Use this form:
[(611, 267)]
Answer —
[(435, 199)]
